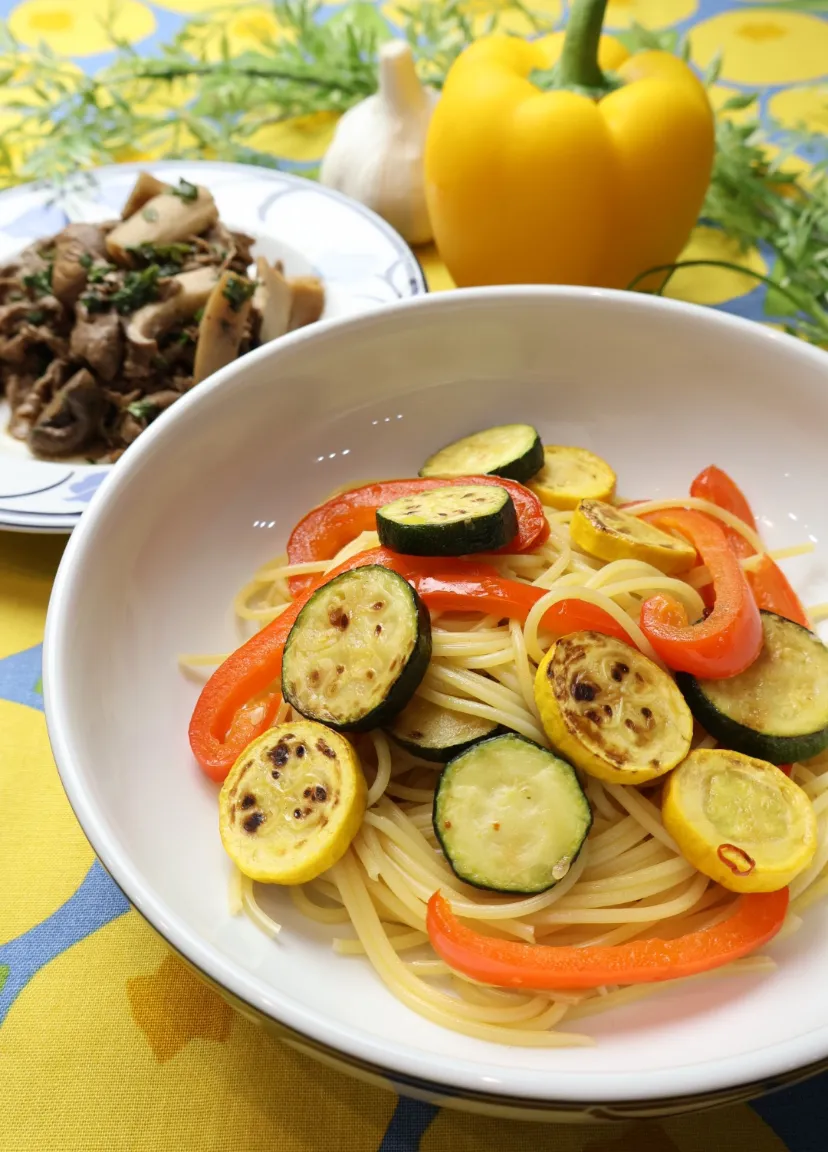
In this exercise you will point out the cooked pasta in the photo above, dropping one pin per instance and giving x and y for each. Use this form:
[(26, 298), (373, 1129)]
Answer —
[(630, 880)]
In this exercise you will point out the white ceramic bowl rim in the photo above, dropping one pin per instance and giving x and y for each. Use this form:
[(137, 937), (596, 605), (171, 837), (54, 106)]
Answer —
[(455, 1076)]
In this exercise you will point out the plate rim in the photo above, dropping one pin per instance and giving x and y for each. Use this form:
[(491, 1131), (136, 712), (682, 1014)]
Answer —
[(63, 523)]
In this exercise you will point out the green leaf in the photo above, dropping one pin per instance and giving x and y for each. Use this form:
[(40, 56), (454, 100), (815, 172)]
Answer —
[(777, 303), (4, 975), (713, 70), (637, 38), (364, 16), (740, 100)]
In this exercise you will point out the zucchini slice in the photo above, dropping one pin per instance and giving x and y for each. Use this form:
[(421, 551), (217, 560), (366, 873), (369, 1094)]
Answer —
[(572, 474), (739, 820), (358, 650), (610, 534), (292, 803), (510, 815), (777, 709), (453, 521), (610, 710), (436, 734), (511, 450)]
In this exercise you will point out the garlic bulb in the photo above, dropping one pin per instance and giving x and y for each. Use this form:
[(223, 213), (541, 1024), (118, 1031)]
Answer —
[(376, 155)]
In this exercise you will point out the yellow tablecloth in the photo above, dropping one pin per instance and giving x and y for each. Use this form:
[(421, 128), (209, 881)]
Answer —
[(107, 1042)]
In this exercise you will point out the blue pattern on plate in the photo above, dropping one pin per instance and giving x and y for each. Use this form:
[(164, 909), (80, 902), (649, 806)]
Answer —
[(85, 488), (41, 220)]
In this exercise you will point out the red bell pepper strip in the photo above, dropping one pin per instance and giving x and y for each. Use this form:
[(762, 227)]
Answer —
[(471, 588), (727, 641), (771, 588), (717, 487), (509, 964), (772, 592), (225, 719), (326, 529)]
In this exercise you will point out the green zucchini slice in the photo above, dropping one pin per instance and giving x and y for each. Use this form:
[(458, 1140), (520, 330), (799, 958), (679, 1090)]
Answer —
[(436, 734), (776, 710), (511, 450), (510, 815), (357, 651), (453, 521)]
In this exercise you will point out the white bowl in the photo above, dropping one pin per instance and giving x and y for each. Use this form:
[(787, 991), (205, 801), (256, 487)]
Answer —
[(210, 492)]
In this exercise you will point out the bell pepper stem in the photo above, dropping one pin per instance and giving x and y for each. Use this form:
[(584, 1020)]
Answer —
[(578, 65)]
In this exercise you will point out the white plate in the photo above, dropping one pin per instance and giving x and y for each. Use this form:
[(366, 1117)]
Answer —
[(363, 262), (660, 389)]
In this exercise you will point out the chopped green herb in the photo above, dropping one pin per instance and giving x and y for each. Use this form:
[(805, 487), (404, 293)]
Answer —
[(186, 338), (93, 303), (142, 409), (155, 253), (40, 283), (85, 260), (150, 215), (238, 291), (185, 191), (199, 315), (99, 272), (36, 317), (139, 288)]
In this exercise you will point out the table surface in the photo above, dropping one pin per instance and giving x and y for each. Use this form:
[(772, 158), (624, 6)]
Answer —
[(106, 1040)]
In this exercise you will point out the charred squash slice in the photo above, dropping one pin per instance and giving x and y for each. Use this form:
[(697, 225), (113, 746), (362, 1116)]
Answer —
[(358, 650), (610, 710), (292, 803)]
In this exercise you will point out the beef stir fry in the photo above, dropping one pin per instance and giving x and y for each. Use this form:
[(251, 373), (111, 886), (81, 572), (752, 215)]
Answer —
[(103, 327)]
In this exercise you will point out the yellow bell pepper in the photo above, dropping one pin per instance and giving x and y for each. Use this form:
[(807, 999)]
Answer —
[(565, 160)]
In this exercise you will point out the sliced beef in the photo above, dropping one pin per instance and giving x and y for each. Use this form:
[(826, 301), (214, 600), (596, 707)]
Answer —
[(72, 418), (28, 396), (99, 341)]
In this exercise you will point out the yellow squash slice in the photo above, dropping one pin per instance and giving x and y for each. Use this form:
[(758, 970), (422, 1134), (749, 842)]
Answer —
[(610, 534), (610, 711), (292, 803), (740, 821), (572, 474)]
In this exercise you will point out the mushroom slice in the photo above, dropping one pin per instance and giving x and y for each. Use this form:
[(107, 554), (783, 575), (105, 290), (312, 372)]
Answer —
[(146, 187), (69, 274), (222, 327), (164, 219), (274, 300), (308, 301), (186, 293)]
